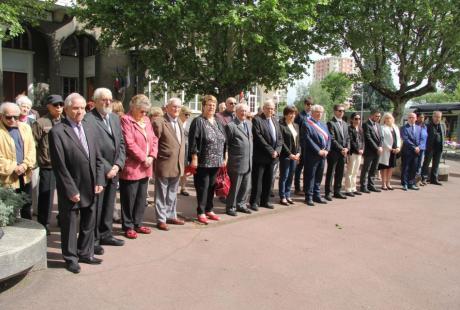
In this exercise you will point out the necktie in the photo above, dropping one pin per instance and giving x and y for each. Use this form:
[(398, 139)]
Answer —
[(107, 123), (246, 128), (82, 138), (272, 130), (341, 128)]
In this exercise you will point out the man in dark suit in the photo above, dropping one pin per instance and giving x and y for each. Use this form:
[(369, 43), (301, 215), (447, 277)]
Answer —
[(79, 172), (372, 150), (315, 147), (239, 164), (268, 142), (410, 135), (112, 147), (340, 144), (299, 120), (435, 142), (169, 165)]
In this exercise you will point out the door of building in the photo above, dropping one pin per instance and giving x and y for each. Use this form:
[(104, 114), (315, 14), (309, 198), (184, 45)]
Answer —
[(14, 83)]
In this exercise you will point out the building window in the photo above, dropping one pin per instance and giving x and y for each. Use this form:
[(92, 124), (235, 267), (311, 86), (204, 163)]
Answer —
[(21, 42), (69, 85), (70, 47)]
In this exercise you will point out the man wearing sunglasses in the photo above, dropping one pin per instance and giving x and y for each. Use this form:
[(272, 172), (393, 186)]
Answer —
[(17, 153), (47, 184), (299, 120)]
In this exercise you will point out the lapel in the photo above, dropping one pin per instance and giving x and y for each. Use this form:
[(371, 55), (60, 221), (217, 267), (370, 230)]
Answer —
[(168, 124), (100, 122), (69, 131), (338, 127)]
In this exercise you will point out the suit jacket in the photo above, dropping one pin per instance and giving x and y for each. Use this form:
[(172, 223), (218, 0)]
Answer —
[(372, 139), (290, 146), (431, 140), (239, 147), (411, 139), (356, 139), (339, 137), (171, 152), (75, 172), (314, 140), (111, 143), (264, 145), (140, 144)]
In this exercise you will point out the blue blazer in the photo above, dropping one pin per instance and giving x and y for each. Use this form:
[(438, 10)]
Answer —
[(313, 141), (410, 139)]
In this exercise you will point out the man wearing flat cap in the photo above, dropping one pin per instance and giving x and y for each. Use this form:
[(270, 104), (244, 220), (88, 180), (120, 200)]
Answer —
[(47, 184)]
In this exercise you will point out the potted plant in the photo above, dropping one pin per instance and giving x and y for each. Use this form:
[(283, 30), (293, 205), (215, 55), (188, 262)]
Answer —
[(10, 204)]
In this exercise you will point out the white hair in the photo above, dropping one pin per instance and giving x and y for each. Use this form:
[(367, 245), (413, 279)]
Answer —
[(24, 100), (70, 98), (100, 92), (241, 106), (269, 102), (6, 105), (174, 100), (317, 107)]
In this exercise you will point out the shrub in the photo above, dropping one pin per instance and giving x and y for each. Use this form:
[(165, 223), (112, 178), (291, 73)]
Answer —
[(10, 203)]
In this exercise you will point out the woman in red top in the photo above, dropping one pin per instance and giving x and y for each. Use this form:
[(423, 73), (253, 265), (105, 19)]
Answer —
[(141, 149)]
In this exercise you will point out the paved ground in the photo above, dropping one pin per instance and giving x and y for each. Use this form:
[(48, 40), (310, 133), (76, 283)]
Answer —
[(390, 250)]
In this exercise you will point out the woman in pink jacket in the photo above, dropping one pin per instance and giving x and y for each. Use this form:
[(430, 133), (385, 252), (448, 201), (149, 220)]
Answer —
[(141, 149)]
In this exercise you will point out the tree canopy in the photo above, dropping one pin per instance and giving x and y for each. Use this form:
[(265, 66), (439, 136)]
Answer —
[(14, 14), (218, 47), (418, 39), (338, 85)]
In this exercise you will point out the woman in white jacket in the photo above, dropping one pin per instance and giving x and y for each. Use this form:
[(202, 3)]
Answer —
[(391, 147)]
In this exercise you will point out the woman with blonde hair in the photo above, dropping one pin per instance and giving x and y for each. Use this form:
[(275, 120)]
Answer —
[(391, 147)]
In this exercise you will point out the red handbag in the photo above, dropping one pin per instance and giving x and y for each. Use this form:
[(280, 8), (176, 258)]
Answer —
[(222, 183)]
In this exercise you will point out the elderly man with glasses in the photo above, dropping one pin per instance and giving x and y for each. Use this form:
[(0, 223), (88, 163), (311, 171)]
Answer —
[(17, 153)]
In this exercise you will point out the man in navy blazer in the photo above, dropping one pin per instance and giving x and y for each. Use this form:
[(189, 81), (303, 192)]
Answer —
[(411, 137), (316, 145), (299, 120)]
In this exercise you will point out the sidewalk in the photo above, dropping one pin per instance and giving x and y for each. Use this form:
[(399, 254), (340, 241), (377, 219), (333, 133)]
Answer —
[(389, 250)]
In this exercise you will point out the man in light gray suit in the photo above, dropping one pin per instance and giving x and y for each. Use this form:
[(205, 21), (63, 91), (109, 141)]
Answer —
[(239, 164)]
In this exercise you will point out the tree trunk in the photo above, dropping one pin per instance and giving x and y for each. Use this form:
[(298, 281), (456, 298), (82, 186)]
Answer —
[(398, 111)]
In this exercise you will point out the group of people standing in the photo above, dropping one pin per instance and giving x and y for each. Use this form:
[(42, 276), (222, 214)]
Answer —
[(88, 156)]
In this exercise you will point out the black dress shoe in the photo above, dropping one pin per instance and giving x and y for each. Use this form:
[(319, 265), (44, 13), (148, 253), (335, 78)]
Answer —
[(72, 267), (98, 250), (254, 207), (414, 187), (436, 183), (349, 194), (231, 212), (373, 189), (363, 190), (112, 241), (244, 210), (340, 196), (328, 197), (357, 193), (320, 200), (290, 201), (184, 193), (309, 202), (268, 206), (284, 202), (90, 260), (404, 188)]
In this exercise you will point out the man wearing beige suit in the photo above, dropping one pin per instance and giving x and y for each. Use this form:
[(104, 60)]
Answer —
[(169, 165)]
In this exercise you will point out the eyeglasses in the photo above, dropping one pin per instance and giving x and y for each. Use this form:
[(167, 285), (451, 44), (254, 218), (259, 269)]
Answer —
[(187, 114), (106, 100), (231, 103), (10, 117), (58, 104), (340, 110), (144, 112), (357, 118)]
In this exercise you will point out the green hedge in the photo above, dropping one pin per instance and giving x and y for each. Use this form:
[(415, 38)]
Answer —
[(10, 203)]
